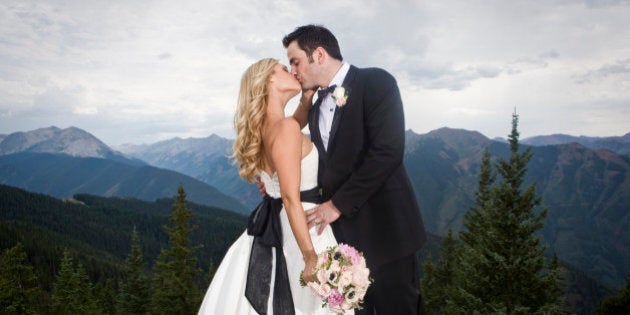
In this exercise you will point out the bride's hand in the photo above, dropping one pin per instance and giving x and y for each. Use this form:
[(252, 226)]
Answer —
[(308, 94), (310, 262), (306, 101)]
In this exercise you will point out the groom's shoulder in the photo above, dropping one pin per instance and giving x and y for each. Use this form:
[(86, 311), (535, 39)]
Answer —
[(373, 71), (375, 74)]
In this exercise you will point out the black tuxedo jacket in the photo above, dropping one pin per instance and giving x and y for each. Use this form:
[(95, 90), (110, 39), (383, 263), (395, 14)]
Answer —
[(362, 171)]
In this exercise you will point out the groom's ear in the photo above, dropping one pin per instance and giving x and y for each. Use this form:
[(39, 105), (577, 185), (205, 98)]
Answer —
[(320, 55)]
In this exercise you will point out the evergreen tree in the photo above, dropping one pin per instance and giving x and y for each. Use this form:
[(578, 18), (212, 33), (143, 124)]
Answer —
[(473, 220), (72, 290), (617, 304), (106, 297), (439, 278), (65, 289), (501, 267), (86, 292), (176, 285), (134, 296), (19, 290)]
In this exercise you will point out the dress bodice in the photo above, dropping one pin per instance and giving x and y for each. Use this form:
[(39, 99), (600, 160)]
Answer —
[(308, 179)]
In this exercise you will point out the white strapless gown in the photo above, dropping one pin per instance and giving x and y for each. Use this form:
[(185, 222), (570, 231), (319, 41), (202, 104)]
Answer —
[(226, 294)]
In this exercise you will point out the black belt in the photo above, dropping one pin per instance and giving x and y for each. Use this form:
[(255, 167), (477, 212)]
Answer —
[(264, 225)]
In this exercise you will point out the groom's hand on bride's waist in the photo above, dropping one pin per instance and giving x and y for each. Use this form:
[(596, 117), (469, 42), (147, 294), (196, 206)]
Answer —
[(322, 215), (261, 187)]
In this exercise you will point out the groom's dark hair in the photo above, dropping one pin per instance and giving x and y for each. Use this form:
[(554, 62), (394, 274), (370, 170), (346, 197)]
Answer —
[(309, 37)]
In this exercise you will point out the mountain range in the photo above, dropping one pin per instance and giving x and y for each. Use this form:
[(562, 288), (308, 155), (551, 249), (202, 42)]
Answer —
[(206, 159), (51, 161), (70, 141), (619, 145), (586, 191)]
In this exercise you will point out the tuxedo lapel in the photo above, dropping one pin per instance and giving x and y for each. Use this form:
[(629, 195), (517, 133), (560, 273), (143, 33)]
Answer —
[(347, 83), (335, 125), (313, 124)]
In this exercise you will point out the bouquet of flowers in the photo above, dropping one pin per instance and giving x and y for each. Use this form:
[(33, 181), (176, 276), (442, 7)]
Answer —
[(342, 278)]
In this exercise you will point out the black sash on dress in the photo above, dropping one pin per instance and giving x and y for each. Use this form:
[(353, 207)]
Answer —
[(264, 225)]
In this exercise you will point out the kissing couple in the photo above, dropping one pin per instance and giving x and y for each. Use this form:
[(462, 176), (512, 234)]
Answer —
[(346, 184)]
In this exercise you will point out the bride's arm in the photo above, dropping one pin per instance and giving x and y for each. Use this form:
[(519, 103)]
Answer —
[(305, 105), (286, 155)]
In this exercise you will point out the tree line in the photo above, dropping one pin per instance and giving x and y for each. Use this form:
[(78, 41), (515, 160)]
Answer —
[(497, 263), (174, 285)]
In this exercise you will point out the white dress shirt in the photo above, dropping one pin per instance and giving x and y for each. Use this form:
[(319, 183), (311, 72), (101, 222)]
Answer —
[(327, 107)]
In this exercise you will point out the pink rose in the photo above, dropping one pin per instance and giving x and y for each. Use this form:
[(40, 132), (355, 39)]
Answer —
[(322, 276), (335, 298), (324, 291), (322, 259), (348, 250)]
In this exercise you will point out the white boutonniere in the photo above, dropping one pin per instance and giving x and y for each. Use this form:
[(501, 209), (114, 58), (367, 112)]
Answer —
[(340, 95)]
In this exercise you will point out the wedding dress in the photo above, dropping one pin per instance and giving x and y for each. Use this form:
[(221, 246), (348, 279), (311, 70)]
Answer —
[(226, 294)]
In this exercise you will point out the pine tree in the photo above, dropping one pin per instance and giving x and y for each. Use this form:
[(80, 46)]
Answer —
[(72, 290), (86, 298), (439, 278), (617, 304), (134, 296), (19, 290), (473, 220), (501, 267), (65, 288), (106, 296), (176, 285)]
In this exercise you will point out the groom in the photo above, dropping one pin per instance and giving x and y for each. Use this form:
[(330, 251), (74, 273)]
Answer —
[(359, 132)]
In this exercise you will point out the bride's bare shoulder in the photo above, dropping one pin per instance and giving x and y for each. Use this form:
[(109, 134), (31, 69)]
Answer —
[(283, 130), (285, 127), (289, 124)]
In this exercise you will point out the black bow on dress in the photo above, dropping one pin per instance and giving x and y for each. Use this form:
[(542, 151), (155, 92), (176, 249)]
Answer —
[(264, 225)]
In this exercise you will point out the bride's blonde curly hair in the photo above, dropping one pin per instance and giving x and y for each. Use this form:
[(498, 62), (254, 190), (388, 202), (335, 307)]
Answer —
[(249, 118)]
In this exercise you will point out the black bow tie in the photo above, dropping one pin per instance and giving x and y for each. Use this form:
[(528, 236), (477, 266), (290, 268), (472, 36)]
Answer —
[(324, 92)]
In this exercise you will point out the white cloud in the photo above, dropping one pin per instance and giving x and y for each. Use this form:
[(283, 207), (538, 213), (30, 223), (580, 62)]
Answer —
[(137, 71)]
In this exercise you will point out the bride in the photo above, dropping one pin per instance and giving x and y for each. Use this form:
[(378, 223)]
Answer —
[(260, 274)]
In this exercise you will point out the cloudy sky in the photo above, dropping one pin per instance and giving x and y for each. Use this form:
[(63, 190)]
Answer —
[(142, 71)]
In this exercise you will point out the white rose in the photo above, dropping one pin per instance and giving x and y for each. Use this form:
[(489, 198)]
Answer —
[(362, 262), (361, 294), (360, 277), (345, 279), (339, 95), (346, 305), (334, 266), (339, 92)]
